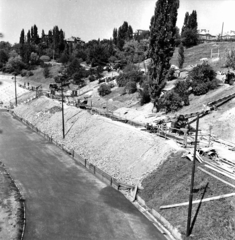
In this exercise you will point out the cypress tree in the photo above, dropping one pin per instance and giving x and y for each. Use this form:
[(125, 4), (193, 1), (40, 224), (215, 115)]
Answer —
[(115, 34), (161, 45), (186, 20), (189, 30), (181, 56), (32, 34), (130, 32), (125, 33), (35, 34), (28, 37), (43, 34), (22, 37)]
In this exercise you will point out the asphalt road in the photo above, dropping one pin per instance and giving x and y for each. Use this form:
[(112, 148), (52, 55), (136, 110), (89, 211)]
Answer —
[(63, 200)]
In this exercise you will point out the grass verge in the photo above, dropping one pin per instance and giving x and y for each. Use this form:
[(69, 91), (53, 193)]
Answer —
[(170, 184)]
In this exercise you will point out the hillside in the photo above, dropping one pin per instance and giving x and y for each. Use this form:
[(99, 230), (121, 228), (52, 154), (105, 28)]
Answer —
[(38, 77), (133, 156), (194, 54)]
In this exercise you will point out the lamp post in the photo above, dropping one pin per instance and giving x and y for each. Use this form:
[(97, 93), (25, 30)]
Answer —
[(192, 182)]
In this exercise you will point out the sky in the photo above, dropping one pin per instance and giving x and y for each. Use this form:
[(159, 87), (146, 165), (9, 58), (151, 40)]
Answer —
[(93, 19)]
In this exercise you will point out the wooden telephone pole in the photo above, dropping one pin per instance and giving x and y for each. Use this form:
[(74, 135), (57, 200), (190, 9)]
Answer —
[(192, 183)]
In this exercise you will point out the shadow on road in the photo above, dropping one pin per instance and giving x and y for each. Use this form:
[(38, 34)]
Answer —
[(116, 200)]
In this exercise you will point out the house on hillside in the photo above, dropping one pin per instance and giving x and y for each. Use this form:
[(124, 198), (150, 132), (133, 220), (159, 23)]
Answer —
[(74, 41), (204, 35), (140, 34), (229, 35)]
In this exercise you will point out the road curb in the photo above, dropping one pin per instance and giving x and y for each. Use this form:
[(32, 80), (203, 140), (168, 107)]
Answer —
[(172, 232)]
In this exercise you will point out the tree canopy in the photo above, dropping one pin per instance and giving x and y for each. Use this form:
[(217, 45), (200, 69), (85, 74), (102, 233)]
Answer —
[(162, 44), (189, 32)]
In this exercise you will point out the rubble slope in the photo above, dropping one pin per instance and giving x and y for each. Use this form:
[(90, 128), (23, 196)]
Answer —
[(123, 151)]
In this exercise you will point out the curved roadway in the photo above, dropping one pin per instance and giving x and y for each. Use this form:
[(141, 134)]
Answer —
[(63, 200)]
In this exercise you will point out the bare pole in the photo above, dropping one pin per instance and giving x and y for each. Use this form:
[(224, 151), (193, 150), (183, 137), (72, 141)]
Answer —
[(192, 182), (62, 94), (63, 110), (15, 92), (222, 31)]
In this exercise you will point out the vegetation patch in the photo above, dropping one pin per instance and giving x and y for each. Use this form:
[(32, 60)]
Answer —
[(11, 208)]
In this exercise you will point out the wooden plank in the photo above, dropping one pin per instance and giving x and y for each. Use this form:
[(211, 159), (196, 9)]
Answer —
[(198, 201), (221, 172), (231, 185), (222, 166)]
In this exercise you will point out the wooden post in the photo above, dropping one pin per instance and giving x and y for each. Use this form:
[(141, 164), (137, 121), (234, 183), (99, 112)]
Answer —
[(185, 137), (209, 140)]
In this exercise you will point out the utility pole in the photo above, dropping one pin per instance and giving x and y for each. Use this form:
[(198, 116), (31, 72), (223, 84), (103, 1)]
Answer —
[(15, 91), (192, 182), (62, 94)]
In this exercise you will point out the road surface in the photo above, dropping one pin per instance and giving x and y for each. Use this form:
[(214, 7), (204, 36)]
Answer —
[(63, 200)]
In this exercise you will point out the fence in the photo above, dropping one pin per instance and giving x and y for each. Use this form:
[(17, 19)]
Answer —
[(103, 176)]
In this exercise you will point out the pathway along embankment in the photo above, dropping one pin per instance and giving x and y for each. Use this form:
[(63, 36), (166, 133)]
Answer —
[(122, 151)]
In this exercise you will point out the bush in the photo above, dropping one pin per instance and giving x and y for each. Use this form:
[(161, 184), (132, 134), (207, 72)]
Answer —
[(104, 89), (144, 94), (202, 73), (122, 80), (182, 89), (230, 61), (112, 85), (3, 56), (46, 72), (171, 101), (29, 73), (202, 77), (131, 76), (77, 77), (45, 58), (203, 88), (23, 73), (181, 56), (131, 87), (171, 74), (74, 67), (92, 78)]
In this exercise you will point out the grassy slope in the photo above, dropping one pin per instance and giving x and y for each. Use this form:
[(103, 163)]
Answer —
[(39, 79), (170, 184), (194, 54), (196, 102)]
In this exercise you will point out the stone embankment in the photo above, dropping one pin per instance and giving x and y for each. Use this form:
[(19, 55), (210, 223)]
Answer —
[(122, 151)]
